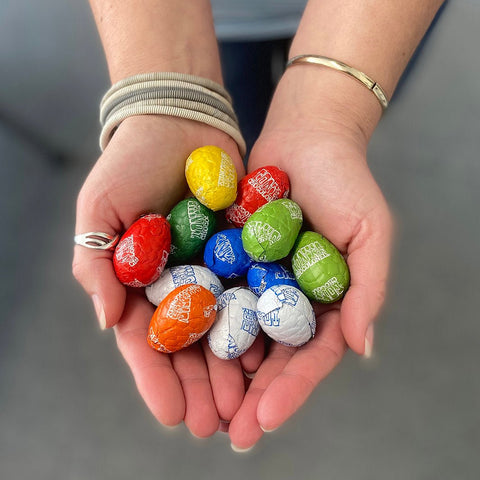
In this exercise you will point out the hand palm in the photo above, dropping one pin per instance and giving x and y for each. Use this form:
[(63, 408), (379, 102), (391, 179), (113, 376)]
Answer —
[(141, 171), (340, 199)]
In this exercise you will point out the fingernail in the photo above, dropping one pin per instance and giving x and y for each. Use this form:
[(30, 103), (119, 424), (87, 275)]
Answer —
[(170, 427), (240, 450), (249, 375), (97, 303), (268, 431), (167, 429), (368, 341)]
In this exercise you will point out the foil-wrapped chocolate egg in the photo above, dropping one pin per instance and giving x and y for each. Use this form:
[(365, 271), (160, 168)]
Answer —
[(174, 277), (261, 276), (286, 315), (191, 225), (263, 185), (142, 252), (224, 254), (320, 269), (182, 318), (270, 233), (236, 325), (212, 177)]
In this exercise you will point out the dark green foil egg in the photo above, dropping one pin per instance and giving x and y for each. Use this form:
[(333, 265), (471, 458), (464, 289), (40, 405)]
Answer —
[(191, 225)]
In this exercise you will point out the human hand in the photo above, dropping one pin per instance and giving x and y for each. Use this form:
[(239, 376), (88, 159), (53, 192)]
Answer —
[(323, 151), (142, 171)]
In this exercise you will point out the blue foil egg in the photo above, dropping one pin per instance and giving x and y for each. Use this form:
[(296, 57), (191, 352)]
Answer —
[(261, 276), (224, 254)]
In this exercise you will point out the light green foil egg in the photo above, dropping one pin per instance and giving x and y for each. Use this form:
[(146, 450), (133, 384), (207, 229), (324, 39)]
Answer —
[(270, 233), (320, 269)]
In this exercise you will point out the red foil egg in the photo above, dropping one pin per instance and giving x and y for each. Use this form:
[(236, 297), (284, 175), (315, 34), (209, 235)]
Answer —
[(256, 189), (142, 253)]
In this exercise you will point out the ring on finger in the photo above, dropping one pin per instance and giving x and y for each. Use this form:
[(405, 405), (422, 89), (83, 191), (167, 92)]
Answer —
[(96, 240)]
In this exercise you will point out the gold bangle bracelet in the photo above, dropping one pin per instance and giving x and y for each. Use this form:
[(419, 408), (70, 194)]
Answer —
[(343, 67)]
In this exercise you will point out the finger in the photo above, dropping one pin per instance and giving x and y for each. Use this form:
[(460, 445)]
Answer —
[(94, 271), (155, 378), (201, 415), (94, 268), (226, 379), (253, 357), (244, 428), (310, 365), (368, 261)]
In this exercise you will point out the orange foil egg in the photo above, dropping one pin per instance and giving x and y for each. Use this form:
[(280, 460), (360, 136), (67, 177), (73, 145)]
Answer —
[(182, 318)]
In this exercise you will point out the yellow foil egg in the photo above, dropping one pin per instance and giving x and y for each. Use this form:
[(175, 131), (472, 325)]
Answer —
[(212, 177)]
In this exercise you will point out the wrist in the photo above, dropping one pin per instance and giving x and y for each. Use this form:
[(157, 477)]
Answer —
[(158, 36), (318, 97)]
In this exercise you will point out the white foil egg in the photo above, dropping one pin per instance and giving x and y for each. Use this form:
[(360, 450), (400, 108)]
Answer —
[(174, 277), (236, 325), (286, 315)]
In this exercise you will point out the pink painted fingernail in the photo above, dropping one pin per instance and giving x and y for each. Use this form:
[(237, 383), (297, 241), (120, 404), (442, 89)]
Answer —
[(369, 334), (97, 303)]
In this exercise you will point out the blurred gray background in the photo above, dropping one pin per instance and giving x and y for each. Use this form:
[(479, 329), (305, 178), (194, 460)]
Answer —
[(68, 405)]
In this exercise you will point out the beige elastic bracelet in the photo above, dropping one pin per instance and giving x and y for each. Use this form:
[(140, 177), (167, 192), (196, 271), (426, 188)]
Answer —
[(130, 90), (172, 94), (179, 103), (169, 76), (160, 89), (147, 109), (343, 67)]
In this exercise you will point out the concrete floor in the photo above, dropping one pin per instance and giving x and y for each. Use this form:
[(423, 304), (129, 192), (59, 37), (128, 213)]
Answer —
[(68, 406)]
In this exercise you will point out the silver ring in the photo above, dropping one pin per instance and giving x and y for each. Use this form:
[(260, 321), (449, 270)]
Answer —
[(96, 240)]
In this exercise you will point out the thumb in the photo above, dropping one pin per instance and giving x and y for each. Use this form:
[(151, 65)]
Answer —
[(93, 268), (368, 260)]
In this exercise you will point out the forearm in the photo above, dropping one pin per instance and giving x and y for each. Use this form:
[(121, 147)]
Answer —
[(157, 35), (375, 36)]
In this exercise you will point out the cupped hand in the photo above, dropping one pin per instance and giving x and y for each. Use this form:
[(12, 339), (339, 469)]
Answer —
[(324, 155), (142, 171)]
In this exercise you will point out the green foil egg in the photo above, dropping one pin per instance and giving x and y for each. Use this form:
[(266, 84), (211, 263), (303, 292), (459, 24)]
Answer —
[(270, 233), (320, 269), (191, 225)]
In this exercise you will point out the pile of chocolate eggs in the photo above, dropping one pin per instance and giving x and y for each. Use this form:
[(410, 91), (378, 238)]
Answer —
[(185, 261)]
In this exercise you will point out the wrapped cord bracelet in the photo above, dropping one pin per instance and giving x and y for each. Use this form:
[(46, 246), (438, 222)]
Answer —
[(129, 95), (173, 94)]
